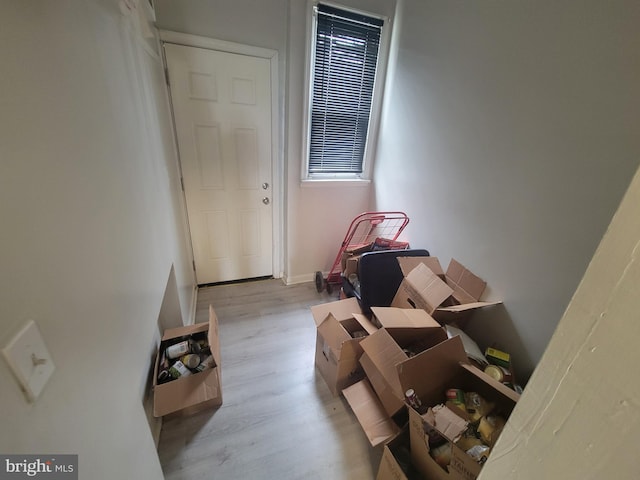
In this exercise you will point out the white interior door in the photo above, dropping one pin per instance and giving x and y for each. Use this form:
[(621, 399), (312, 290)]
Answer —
[(222, 109)]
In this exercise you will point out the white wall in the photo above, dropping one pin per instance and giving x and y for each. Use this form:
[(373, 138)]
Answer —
[(579, 416), (260, 23), (92, 224), (509, 137)]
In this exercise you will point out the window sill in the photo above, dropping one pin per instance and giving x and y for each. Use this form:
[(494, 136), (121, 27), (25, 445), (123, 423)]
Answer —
[(334, 182)]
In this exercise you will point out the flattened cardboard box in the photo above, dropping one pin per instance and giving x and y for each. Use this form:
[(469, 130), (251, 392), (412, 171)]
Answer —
[(448, 299), (195, 392), (430, 374), (337, 350)]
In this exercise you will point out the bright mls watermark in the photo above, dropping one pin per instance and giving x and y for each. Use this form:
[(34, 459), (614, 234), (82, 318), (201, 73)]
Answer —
[(52, 467)]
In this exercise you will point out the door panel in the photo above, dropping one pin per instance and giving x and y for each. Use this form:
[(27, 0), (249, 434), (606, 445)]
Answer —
[(222, 109)]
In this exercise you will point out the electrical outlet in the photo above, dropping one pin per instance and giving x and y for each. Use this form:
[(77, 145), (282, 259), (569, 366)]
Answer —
[(29, 359)]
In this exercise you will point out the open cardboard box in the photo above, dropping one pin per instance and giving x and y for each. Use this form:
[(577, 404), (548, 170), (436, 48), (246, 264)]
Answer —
[(431, 374), (198, 391), (354, 252), (448, 297), (338, 348), (396, 457), (378, 401), (385, 349)]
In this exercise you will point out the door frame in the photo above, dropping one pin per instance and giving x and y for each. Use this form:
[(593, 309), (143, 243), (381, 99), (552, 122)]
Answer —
[(277, 157)]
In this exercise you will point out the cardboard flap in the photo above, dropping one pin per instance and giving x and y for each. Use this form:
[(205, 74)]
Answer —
[(439, 364), (334, 334), (213, 337), (385, 354), (366, 323), (185, 330), (341, 310), (458, 314), (390, 400), (393, 317), (186, 392), (350, 349), (375, 422), (502, 389), (409, 263), (447, 422), (467, 307), (428, 285), (390, 468), (467, 287)]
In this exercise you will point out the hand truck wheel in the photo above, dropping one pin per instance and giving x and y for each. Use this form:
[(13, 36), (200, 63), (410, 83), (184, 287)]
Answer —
[(319, 282), (329, 288)]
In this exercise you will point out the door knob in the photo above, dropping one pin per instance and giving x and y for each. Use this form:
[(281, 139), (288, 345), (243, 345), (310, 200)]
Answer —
[(265, 200), (265, 186)]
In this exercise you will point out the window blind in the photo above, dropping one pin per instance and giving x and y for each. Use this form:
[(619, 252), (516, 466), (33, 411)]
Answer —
[(346, 56)]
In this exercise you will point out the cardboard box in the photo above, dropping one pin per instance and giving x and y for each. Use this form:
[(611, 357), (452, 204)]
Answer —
[(378, 400), (430, 374), (421, 288), (352, 251), (385, 349), (450, 299), (396, 459), (351, 266), (198, 391), (340, 328)]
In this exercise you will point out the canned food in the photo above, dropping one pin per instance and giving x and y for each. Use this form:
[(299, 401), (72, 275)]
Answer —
[(178, 370), (178, 350), (208, 362), (192, 360), (456, 396), (163, 376), (499, 373), (490, 427), (479, 453)]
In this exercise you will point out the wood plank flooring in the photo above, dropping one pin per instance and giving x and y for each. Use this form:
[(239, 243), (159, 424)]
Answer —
[(278, 419)]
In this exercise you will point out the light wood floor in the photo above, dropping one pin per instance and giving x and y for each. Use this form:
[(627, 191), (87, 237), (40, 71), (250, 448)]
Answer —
[(278, 419)]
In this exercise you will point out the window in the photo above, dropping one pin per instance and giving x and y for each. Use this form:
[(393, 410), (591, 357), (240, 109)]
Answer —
[(343, 69)]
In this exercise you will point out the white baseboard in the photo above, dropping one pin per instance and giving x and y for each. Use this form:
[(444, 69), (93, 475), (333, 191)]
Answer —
[(307, 277)]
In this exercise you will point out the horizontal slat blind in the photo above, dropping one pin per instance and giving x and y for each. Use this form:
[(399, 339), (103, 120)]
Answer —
[(346, 55)]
